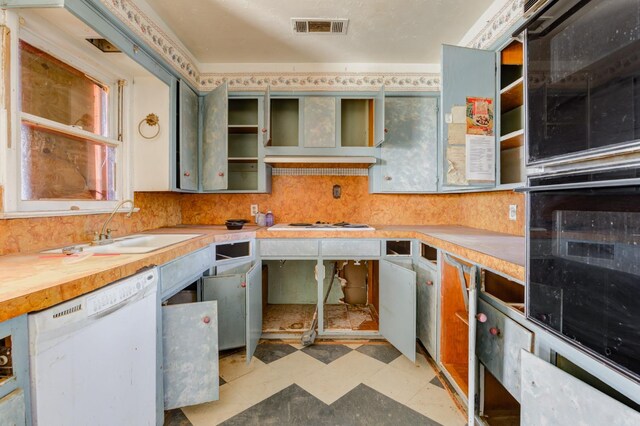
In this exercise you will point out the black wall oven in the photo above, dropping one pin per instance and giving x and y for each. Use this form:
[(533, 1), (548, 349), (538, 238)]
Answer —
[(584, 262), (583, 78)]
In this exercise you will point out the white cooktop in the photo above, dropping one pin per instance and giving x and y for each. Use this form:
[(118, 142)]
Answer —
[(321, 227)]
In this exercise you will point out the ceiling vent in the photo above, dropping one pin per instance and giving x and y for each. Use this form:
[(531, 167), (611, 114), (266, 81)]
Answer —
[(319, 26)]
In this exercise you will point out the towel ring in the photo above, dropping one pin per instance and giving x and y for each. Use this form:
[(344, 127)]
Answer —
[(152, 120)]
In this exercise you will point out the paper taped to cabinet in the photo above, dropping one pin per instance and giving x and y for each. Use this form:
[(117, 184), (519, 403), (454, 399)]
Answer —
[(480, 158), (456, 134), (456, 165)]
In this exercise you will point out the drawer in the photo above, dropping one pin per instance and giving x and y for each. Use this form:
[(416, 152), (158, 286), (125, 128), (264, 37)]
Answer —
[(351, 248), (184, 270), (269, 248), (500, 351)]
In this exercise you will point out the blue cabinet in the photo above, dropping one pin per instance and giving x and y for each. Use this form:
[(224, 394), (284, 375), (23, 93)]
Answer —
[(15, 407), (408, 157), (187, 154)]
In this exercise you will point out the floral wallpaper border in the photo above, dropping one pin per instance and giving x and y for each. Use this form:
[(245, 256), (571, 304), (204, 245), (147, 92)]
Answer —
[(498, 25), (323, 81), (131, 15)]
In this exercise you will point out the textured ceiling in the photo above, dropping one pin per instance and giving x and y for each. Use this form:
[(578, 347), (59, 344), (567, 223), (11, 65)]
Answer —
[(259, 31)]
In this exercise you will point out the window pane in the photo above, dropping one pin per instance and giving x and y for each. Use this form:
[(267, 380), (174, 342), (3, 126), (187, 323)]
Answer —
[(54, 90), (64, 167)]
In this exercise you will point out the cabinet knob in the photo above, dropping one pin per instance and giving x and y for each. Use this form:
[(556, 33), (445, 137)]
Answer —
[(429, 282), (206, 320), (481, 317), (387, 178), (187, 174), (220, 174), (386, 130), (243, 285), (264, 130), (495, 331)]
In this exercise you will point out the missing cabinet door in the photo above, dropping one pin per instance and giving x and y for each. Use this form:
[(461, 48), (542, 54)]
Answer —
[(6, 359)]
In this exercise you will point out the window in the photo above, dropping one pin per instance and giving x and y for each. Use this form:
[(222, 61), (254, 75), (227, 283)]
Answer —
[(65, 150)]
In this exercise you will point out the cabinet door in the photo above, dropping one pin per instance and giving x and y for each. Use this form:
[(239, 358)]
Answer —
[(473, 362), (319, 121), (427, 318), (266, 127), (215, 123), (465, 73), (13, 409), (410, 152), (190, 349), (188, 138), (254, 308), (379, 128), (398, 307), (552, 397), (229, 292)]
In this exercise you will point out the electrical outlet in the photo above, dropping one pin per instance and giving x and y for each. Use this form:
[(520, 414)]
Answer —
[(513, 212), (254, 209)]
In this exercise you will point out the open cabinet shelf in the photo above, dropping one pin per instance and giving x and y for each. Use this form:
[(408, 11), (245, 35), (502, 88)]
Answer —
[(512, 114)]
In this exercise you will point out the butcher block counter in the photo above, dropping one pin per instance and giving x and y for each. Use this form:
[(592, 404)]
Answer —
[(35, 281)]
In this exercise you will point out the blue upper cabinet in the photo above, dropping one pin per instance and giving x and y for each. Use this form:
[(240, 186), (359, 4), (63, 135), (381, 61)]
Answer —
[(187, 178), (466, 73), (409, 155)]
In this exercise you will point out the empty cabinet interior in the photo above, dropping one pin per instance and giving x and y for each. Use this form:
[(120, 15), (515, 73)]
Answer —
[(285, 122), (357, 118), (429, 253), (233, 250), (499, 407), (454, 323), (398, 248), (243, 144), (291, 297), (511, 113), (509, 292), (352, 303)]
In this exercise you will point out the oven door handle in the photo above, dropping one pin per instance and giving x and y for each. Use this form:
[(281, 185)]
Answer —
[(581, 185)]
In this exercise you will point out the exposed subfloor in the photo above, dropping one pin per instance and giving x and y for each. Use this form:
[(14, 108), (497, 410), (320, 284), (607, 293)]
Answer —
[(350, 317), (287, 318), (324, 384)]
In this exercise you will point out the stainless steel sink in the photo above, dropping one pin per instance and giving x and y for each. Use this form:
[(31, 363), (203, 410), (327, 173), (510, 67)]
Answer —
[(136, 243)]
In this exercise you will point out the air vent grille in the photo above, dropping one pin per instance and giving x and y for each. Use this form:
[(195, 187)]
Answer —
[(319, 26), (68, 311)]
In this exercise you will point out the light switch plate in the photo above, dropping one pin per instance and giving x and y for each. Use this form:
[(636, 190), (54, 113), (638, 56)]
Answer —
[(254, 209), (513, 211)]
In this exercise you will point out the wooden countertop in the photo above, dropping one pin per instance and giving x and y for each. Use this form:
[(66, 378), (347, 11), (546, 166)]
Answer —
[(35, 281)]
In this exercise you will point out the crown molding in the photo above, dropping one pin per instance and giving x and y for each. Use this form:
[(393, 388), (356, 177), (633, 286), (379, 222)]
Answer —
[(176, 56), (143, 26)]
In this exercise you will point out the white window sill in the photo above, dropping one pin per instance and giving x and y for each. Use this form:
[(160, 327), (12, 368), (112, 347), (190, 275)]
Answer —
[(53, 213)]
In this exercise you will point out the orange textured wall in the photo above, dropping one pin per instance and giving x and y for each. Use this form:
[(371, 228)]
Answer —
[(309, 198), (22, 235)]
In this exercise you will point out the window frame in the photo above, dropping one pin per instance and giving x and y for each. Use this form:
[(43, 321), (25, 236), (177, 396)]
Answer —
[(56, 44)]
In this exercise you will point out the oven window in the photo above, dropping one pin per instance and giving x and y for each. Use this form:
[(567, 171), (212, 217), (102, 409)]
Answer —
[(583, 75), (584, 269)]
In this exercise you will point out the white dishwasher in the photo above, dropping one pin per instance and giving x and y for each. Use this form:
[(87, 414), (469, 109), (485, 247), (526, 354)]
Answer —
[(93, 358)]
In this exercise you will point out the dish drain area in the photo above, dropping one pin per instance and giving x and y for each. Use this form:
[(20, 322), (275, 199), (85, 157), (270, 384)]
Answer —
[(336, 297)]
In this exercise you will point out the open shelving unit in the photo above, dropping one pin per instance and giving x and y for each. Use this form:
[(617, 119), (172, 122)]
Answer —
[(512, 114), (243, 140)]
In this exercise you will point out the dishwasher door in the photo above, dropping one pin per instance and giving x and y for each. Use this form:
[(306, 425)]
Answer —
[(93, 357)]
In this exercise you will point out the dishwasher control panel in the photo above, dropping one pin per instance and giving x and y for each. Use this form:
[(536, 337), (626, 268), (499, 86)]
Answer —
[(117, 293)]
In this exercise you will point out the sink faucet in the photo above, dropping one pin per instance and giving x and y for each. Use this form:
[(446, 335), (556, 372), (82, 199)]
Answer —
[(104, 237)]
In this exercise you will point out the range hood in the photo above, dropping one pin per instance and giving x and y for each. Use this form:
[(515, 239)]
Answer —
[(316, 159)]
